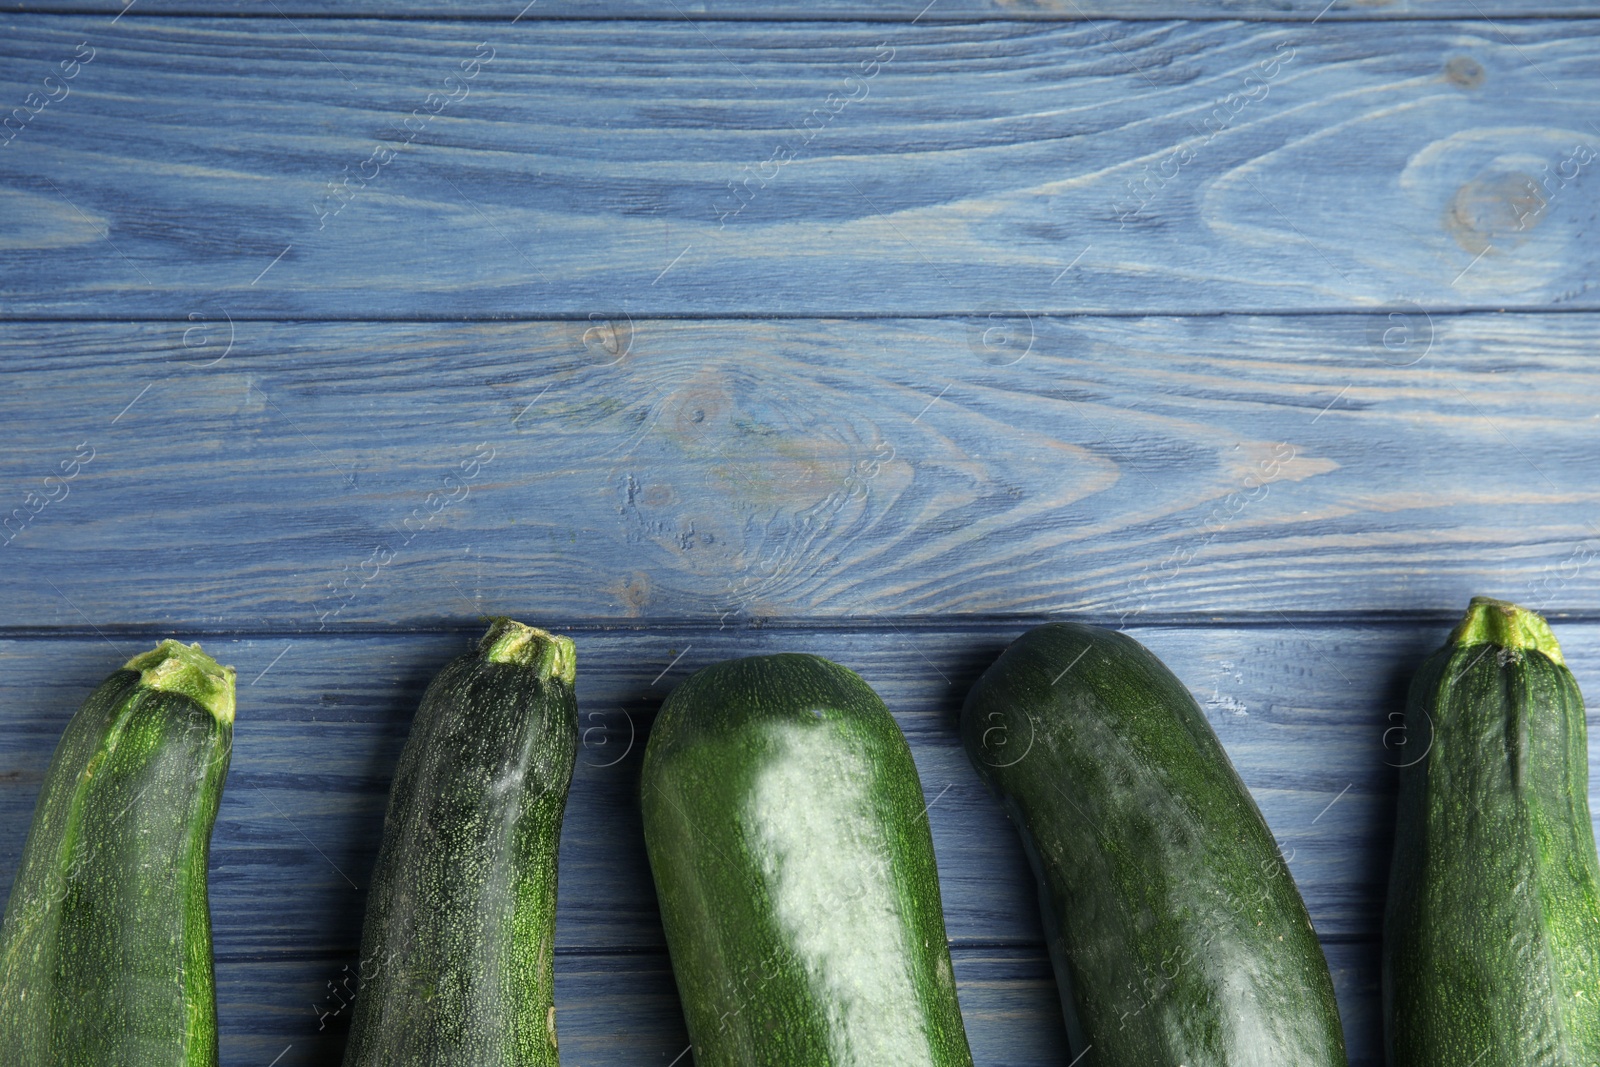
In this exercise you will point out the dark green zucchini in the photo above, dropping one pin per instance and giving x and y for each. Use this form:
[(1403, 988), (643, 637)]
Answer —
[(789, 842), (1492, 931), (457, 961), (105, 951), (1175, 930)]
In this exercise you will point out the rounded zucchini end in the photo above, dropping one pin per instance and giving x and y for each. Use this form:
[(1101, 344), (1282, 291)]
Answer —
[(1499, 622), (174, 667), (509, 641)]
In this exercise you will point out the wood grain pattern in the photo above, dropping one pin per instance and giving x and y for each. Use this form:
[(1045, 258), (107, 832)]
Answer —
[(322, 475), (920, 11), (793, 168), (321, 721)]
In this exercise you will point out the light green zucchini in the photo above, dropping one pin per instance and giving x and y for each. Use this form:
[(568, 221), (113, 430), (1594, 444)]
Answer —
[(105, 950)]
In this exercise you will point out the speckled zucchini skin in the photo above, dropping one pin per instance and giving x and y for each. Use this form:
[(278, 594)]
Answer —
[(458, 949), (105, 951), (1492, 933), (1175, 930), (794, 865)]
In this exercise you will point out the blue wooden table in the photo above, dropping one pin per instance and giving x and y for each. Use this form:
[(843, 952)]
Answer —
[(880, 331)]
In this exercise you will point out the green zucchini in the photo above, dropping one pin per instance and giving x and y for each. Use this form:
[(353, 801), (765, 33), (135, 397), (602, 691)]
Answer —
[(1492, 931), (457, 960), (788, 838), (105, 950), (1176, 933)]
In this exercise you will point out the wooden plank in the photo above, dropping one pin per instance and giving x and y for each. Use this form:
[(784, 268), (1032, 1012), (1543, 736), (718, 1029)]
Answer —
[(919, 11), (1304, 712), (623, 1011), (796, 168), (323, 475)]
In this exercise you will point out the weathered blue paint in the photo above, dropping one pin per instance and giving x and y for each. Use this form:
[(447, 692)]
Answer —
[(264, 167), (918, 11), (321, 476)]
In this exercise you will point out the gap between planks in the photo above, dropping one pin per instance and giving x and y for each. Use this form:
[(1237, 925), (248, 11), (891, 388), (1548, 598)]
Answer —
[(804, 624), (757, 316)]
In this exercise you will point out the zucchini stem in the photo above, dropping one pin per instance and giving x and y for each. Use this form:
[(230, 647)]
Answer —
[(174, 667), (509, 641), (1499, 622)]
